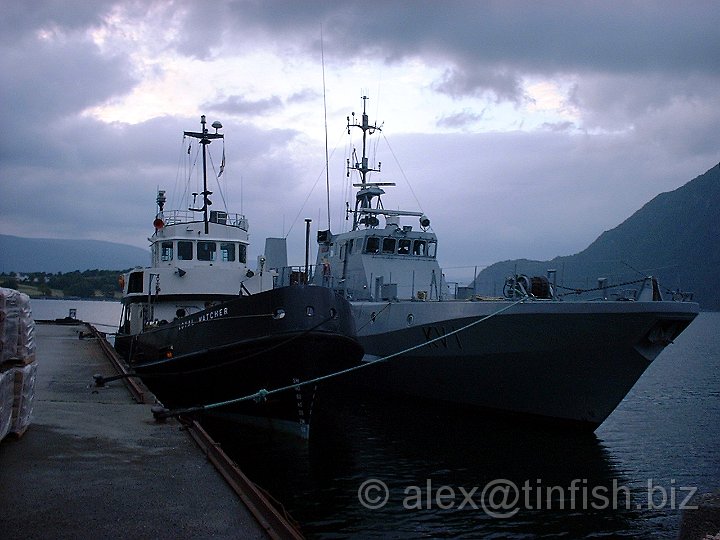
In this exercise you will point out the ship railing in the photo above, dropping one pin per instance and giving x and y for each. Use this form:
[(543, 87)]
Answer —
[(613, 288), (292, 275), (176, 217)]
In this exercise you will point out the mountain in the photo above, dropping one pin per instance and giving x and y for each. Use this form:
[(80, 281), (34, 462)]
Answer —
[(52, 256), (675, 237)]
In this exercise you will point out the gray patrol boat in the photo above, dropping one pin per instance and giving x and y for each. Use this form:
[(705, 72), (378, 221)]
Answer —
[(530, 352)]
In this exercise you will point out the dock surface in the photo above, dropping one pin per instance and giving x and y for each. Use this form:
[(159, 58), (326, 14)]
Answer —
[(95, 464)]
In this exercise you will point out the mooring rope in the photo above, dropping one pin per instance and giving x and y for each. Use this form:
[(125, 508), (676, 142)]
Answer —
[(373, 316), (263, 394)]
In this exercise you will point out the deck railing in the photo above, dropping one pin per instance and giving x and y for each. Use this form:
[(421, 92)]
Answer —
[(175, 217)]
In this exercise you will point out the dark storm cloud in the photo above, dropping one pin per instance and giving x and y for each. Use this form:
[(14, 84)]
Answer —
[(20, 19), (460, 119), (487, 46), (238, 105), (52, 78), (505, 85)]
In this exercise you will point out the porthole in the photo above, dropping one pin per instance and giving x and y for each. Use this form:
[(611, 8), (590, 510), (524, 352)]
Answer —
[(309, 311), (372, 317), (279, 313), (410, 319), (333, 313)]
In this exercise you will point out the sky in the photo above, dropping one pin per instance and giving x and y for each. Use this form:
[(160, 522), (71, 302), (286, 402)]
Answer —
[(522, 129)]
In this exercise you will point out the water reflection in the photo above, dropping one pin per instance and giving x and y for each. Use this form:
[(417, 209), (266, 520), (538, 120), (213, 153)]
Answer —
[(439, 465)]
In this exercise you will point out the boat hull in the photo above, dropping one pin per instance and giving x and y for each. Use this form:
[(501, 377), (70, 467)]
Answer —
[(269, 340), (567, 361)]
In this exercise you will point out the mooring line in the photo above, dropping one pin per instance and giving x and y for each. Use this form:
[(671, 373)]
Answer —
[(262, 394)]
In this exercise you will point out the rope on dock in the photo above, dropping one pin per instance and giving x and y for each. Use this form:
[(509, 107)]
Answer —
[(262, 394)]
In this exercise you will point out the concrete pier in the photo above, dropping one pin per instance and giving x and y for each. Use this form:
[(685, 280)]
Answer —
[(94, 463)]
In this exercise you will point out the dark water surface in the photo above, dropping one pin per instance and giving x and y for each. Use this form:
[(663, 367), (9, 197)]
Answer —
[(387, 468)]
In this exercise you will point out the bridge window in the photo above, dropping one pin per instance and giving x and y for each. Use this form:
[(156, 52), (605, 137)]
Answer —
[(166, 251), (185, 251), (242, 253), (388, 245), (227, 251), (420, 248), (404, 246), (432, 249), (206, 251), (372, 245), (135, 283)]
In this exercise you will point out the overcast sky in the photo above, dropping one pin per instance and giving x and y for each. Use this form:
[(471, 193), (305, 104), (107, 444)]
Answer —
[(521, 128)]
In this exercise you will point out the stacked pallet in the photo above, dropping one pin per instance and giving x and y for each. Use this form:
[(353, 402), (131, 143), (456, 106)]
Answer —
[(18, 365)]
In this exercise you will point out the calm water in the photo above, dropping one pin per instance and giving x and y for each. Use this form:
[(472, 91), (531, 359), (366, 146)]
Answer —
[(425, 471), (105, 316)]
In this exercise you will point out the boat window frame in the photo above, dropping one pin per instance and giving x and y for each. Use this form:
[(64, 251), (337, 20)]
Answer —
[(242, 253), (227, 251), (185, 248), (376, 241), (167, 251), (432, 248), (385, 245), (404, 246), (203, 251), (136, 282), (417, 244)]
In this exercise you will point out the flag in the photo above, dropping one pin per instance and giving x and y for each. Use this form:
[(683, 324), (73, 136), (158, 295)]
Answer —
[(222, 164)]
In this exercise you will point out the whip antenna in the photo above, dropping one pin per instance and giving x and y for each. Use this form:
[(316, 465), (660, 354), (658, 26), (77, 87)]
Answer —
[(327, 159)]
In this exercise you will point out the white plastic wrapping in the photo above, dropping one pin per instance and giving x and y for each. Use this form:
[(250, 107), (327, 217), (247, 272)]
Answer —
[(26, 330), (18, 368), (7, 383), (24, 397), (17, 327)]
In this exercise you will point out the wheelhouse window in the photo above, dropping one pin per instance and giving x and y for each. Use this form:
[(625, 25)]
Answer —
[(166, 251), (227, 251), (404, 246), (206, 251), (420, 248), (388, 245), (242, 253), (185, 250), (135, 283), (432, 249), (372, 245)]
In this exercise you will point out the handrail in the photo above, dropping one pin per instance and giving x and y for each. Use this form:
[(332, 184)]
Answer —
[(178, 217)]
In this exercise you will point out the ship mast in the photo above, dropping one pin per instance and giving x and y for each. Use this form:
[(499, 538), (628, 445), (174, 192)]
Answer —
[(367, 190), (205, 139)]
